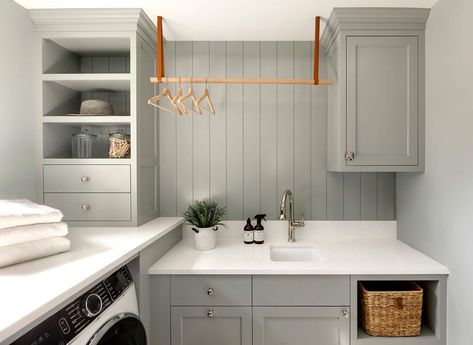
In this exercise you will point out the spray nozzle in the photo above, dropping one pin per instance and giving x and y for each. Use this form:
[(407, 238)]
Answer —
[(260, 217)]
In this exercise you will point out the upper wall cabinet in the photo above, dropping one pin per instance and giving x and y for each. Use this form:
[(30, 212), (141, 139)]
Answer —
[(99, 168), (376, 106)]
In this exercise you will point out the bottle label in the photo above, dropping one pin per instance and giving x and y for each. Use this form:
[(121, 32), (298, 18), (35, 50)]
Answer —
[(259, 235), (248, 236)]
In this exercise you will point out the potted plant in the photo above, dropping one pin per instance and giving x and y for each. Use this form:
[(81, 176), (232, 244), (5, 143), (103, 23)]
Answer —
[(205, 216)]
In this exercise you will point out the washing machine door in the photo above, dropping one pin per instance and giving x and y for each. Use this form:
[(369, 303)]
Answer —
[(123, 329)]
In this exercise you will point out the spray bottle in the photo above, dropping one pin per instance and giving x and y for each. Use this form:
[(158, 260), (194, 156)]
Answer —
[(259, 229)]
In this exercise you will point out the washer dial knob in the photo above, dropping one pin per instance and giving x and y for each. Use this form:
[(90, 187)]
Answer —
[(92, 305)]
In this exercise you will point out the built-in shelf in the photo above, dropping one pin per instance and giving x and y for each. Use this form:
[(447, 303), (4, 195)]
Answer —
[(83, 82), (102, 121), (426, 337), (99, 161)]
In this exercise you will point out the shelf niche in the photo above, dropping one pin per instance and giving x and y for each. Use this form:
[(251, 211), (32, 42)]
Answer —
[(431, 329), (57, 138), (59, 100), (86, 55)]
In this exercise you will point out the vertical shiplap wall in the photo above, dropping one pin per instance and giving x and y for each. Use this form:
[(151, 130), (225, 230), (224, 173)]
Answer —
[(264, 139)]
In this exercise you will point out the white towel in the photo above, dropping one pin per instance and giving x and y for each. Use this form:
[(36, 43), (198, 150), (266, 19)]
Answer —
[(24, 212), (17, 253), (27, 233)]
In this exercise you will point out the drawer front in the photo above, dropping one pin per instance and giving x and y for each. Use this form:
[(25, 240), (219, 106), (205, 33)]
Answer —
[(91, 206), (87, 178), (211, 290), (301, 290)]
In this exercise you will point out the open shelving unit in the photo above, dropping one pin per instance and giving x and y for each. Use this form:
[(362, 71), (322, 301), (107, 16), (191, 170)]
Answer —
[(88, 54), (83, 72)]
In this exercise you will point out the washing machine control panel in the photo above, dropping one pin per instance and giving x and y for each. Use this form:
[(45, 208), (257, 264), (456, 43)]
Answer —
[(67, 323)]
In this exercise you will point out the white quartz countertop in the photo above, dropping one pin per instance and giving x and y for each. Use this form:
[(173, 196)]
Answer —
[(31, 289), (365, 250)]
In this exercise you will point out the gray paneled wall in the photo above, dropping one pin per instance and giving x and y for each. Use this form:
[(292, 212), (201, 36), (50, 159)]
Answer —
[(264, 139)]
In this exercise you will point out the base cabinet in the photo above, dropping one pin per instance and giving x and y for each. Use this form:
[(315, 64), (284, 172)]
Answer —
[(301, 325), (211, 326), (280, 310)]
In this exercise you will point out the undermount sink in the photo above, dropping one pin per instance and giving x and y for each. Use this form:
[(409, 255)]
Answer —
[(294, 252)]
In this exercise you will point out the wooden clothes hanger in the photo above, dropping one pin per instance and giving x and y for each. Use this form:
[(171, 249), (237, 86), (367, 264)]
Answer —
[(190, 94), (164, 94), (206, 96), (179, 108)]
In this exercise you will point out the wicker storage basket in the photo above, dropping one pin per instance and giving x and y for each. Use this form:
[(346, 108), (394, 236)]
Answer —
[(391, 309)]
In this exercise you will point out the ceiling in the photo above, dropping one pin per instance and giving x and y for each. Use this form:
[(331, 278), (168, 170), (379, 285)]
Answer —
[(233, 20)]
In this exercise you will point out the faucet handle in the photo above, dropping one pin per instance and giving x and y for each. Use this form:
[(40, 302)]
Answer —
[(299, 223)]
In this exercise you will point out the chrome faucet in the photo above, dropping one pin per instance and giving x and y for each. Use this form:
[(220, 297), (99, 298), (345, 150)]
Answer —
[(288, 198)]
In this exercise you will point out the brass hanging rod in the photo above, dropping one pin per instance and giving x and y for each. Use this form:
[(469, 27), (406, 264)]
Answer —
[(160, 78)]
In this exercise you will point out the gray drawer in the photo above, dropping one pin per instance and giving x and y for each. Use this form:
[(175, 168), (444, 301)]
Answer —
[(91, 206), (301, 290), (226, 290), (87, 178)]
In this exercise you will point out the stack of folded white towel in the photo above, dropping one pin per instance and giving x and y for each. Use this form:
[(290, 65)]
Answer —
[(30, 231)]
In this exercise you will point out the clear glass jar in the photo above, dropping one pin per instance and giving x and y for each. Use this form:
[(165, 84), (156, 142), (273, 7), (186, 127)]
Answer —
[(82, 145), (119, 145)]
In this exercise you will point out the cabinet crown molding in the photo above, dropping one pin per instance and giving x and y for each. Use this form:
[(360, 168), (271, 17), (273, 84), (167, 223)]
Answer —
[(85, 19), (373, 18)]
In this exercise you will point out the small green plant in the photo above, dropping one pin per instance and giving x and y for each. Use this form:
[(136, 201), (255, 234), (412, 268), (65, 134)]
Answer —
[(204, 214)]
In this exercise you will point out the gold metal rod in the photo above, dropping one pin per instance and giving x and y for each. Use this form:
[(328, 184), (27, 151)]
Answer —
[(197, 80)]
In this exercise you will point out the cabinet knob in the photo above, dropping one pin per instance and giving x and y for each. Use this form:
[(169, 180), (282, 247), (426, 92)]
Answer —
[(85, 207), (210, 313), (349, 156), (346, 313), (84, 178), (210, 292)]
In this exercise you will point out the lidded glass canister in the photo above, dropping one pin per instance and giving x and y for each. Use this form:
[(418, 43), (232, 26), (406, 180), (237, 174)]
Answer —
[(119, 145), (83, 144)]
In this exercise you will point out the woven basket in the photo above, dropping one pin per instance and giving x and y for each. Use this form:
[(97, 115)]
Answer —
[(391, 309)]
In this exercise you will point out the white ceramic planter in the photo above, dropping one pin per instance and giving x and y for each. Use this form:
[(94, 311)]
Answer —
[(205, 238)]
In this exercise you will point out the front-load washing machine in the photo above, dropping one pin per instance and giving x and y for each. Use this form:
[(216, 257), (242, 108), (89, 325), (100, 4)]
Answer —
[(106, 314)]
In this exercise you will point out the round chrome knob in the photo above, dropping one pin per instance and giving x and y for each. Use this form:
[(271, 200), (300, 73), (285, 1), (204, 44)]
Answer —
[(210, 292), (346, 314), (84, 178), (210, 313), (85, 207), (92, 305)]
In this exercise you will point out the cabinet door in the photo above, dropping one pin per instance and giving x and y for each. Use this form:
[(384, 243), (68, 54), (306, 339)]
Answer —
[(300, 326), (382, 100), (211, 326)]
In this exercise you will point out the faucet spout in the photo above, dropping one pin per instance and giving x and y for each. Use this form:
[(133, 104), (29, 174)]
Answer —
[(287, 202)]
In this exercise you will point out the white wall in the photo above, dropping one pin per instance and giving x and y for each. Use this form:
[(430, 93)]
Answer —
[(19, 57), (435, 209)]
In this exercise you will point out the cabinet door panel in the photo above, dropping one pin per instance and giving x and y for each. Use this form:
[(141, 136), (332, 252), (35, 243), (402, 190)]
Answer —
[(300, 326), (382, 100), (227, 325)]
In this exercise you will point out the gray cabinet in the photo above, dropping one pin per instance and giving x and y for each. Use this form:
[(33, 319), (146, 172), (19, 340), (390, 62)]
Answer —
[(382, 100), (211, 326), (88, 54), (376, 105), (301, 325)]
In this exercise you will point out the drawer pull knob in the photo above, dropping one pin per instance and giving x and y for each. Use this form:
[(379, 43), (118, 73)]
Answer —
[(210, 292), (84, 178), (346, 314), (210, 313), (85, 207)]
